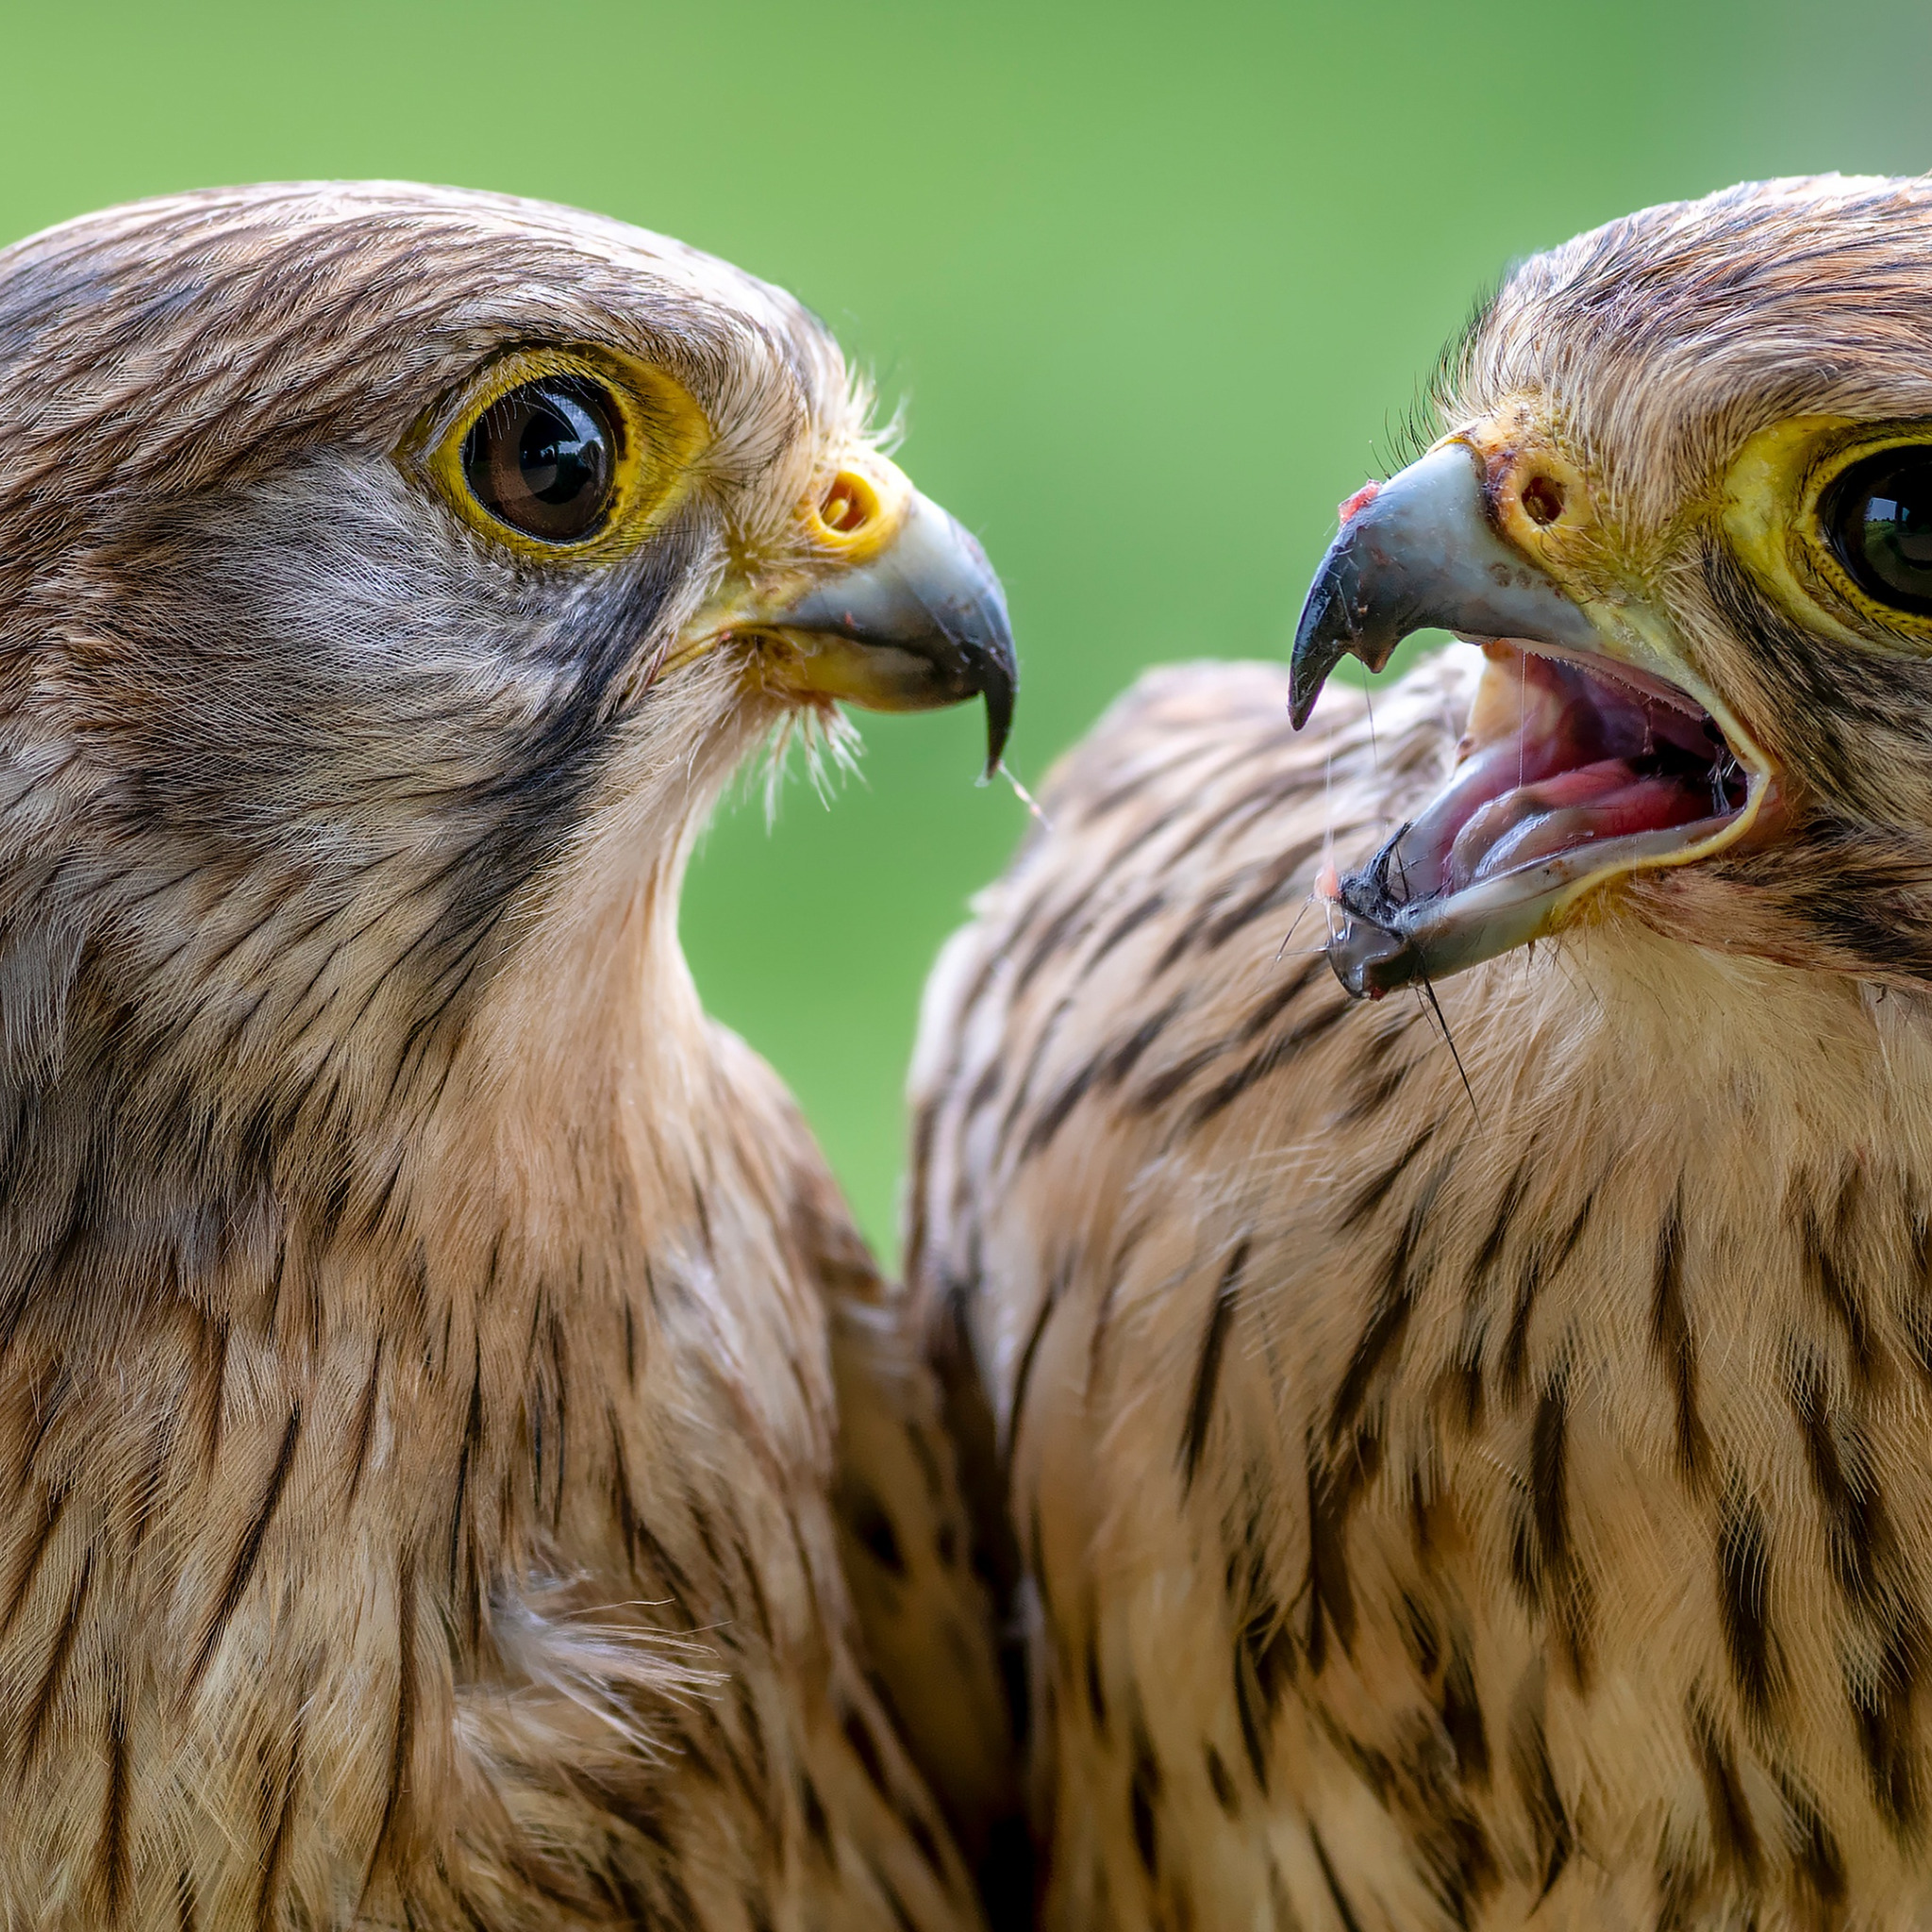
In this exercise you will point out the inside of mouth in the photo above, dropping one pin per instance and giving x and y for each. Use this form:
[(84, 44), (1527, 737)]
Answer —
[(1563, 759)]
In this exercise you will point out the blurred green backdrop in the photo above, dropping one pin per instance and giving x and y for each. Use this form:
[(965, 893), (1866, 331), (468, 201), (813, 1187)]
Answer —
[(1155, 282)]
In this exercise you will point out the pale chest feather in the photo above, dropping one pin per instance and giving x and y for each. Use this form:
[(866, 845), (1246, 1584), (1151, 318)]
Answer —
[(1445, 1512), (480, 1574)]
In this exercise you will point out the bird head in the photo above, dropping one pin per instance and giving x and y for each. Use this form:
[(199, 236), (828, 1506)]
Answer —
[(390, 578), (1683, 501)]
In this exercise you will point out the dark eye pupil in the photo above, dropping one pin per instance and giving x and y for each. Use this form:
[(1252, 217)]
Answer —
[(541, 458), (1880, 520)]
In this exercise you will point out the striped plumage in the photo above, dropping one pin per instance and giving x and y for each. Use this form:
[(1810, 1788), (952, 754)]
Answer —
[(1505, 1505), (417, 1425)]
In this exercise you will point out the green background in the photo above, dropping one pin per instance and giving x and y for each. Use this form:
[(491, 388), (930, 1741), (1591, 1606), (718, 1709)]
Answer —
[(1156, 283)]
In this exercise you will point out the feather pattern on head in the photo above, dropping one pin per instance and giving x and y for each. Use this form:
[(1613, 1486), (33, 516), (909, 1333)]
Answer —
[(416, 1393), (1466, 1451)]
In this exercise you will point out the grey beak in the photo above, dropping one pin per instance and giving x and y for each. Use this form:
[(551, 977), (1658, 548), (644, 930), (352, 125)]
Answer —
[(932, 619), (1420, 554)]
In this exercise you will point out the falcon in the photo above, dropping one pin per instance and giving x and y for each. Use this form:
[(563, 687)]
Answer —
[(1438, 1202), (419, 1326)]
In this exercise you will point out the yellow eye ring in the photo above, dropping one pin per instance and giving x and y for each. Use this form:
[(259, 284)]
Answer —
[(1779, 493), (642, 431)]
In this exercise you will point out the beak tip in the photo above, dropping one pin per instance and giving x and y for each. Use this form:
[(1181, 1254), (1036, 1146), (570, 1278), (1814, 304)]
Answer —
[(929, 620), (1420, 552), (997, 686), (1322, 639)]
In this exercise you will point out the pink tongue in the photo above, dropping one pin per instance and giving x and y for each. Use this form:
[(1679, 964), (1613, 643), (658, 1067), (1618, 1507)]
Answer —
[(1569, 808), (1484, 782)]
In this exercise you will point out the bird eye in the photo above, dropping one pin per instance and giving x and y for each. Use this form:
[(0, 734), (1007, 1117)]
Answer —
[(1878, 517), (543, 458)]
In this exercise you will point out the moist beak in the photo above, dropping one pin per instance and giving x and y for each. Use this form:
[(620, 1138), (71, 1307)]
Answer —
[(920, 623), (1423, 551), (1421, 555)]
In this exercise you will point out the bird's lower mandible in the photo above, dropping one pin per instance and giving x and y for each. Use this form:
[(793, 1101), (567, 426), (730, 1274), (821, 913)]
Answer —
[(1463, 1454)]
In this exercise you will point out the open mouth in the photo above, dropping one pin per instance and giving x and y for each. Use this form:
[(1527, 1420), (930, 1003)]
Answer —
[(1573, 770)]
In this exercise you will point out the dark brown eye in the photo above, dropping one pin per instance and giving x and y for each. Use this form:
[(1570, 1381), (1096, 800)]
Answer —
[(1878, 515), (543, 458)]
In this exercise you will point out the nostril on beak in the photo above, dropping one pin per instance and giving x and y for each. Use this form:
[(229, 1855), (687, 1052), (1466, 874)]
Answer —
[(850, 503), (1542, 500)]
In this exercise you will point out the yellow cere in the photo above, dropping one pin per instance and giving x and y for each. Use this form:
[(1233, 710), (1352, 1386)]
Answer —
[(859, 512)]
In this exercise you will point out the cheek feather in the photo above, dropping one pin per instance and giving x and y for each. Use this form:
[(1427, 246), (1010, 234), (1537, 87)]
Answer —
[(428, 1343), (1576, 1436)]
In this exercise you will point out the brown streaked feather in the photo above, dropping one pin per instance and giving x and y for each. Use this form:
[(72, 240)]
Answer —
[(418, 1394), (1566, 1651), (1577, 1441)]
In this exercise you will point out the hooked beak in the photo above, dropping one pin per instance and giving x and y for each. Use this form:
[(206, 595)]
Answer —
[(922, 623), (903, 612), (1593, 751), (1421, 555)]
